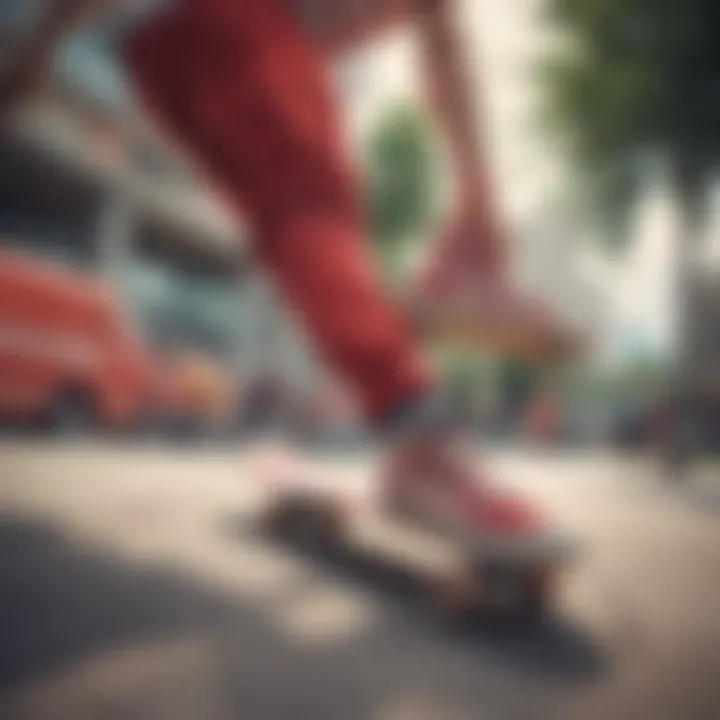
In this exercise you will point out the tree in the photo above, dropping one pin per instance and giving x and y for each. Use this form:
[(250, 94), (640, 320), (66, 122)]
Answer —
[(639, 89), (402, 186)]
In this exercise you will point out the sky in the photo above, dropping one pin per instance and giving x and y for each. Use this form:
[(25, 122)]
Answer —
[(503, 40)]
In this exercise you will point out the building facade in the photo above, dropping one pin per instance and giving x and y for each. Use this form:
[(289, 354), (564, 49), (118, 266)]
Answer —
[(84, 180)]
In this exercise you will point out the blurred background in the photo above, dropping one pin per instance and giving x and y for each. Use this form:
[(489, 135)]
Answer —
[(607, 188), (148, 322), (591, 161)]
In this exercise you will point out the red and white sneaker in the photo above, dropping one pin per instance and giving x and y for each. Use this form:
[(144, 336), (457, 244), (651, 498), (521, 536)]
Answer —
[(461, 295), (433, 485)]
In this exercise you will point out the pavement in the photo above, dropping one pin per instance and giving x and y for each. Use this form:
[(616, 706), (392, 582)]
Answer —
[(133, 587)]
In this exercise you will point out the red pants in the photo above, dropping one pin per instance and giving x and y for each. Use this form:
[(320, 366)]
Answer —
[(241, 88)]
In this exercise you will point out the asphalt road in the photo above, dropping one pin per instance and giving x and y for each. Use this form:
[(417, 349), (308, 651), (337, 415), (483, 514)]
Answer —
[(132, 587)]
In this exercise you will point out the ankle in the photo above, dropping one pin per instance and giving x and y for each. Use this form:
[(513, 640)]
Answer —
[(424, 419)]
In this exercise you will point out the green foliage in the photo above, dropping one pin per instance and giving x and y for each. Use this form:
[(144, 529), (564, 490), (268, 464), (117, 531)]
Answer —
[(518, 382), (640, 81), (615, 387), (466, 366), (402, 187)]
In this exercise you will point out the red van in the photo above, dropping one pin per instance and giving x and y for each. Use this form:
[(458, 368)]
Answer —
[(68, 353)]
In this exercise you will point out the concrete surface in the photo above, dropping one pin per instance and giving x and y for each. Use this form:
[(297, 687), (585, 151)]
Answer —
[(133, 588)]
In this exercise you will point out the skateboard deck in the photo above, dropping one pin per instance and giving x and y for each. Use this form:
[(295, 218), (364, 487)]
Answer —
[(309, 502)]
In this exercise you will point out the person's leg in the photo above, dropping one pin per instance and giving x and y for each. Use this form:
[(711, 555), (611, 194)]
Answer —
[(260, 119), (322, 265)]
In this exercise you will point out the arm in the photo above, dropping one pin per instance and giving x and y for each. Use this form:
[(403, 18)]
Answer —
[(450, 92), (449, 87), (29, 63)]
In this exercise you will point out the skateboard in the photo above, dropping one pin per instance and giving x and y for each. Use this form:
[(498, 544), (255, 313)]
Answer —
[(512, 574)]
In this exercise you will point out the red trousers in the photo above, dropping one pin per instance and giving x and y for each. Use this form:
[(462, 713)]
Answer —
[(241, 88)]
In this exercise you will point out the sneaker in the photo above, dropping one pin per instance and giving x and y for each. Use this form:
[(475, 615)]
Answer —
[(461, 296), (433, 485)]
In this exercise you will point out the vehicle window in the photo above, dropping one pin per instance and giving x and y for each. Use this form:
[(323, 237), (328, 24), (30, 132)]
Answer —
[(178, 307)]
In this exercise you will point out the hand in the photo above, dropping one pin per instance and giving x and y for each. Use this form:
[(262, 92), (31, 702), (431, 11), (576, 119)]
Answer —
[(470, 247), (476, 241)]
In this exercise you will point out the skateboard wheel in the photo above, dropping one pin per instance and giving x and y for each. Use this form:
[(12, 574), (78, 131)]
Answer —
[(273, 519), (517, 594), (539, 590), (304, 520), (454, 599)]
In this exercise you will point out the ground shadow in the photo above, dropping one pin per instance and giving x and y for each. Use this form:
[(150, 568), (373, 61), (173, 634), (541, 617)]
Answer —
[(61, 602), (65, 604), (553, 650)]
